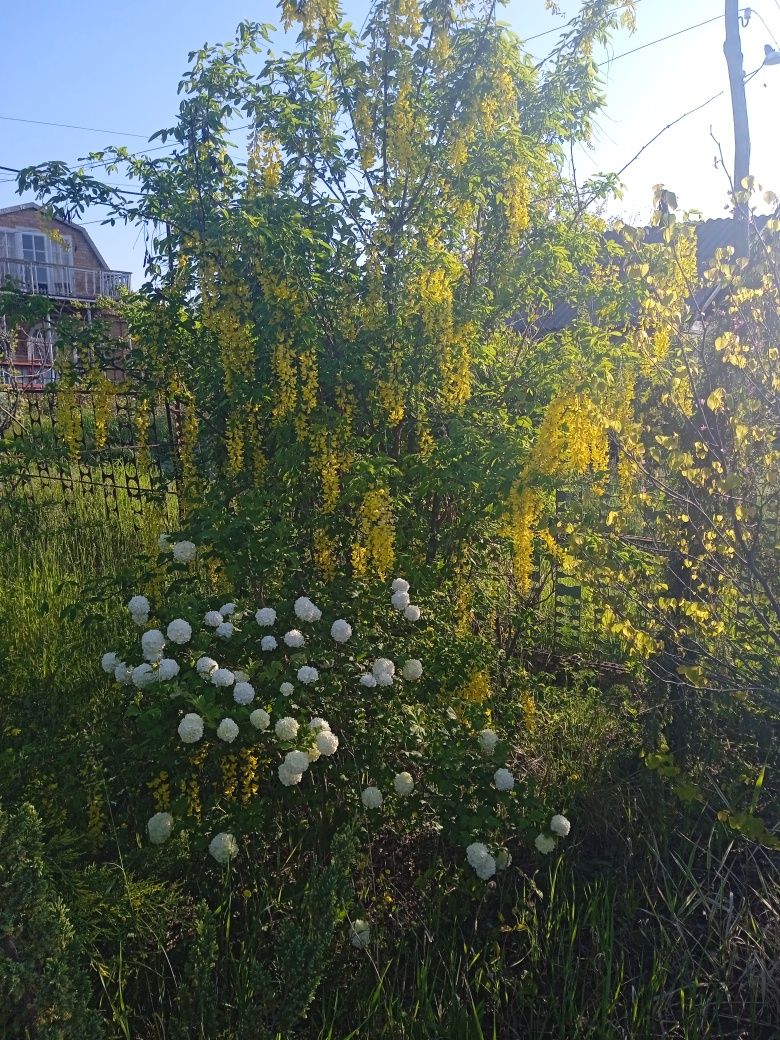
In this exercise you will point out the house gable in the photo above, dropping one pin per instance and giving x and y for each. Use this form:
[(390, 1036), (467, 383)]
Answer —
[(30, 217)]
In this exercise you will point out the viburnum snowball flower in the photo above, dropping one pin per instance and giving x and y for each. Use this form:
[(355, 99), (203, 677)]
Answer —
[(159, 827), (341, 630), (268, 643), (486, 868), (286, 729), (400, 600), (296, 761), (152, 643), (223, 847), (412, 670), (288, 777), (224, 630), (223, 677), (306, 610), (123, 674), (313, 753), (167, 669), (545, 844), (260, 719), (227, 609), (503, 780), (205, 666), (184, 552), (265, 616), (143, 675), (560, 825), (412, 612), (371, 797), (403, 784), (287, 689), (327, 743), (367, 680), (384, 679), (227, 730), (476, 852), (191, 728), (360, 934), (243, 693), (308, 675), (487, 740), (213, 618), (316, 724), (162, 543), (109, 661), (293, 638), (503, 859), (400, 585), (179, 631), (138, 605), (383, 665)]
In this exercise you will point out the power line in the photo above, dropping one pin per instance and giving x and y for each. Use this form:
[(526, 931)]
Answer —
[(73, 126), (560, 28), (661, 39)]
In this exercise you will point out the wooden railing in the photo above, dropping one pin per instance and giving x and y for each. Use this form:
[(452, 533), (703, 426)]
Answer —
[(61, 281)]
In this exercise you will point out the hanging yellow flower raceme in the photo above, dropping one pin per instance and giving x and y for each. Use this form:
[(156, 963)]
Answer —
[(287, 382), (234, 442), (160, 788), (525, 508), (228, 767), (250, 785), (67, 416), (325, 554), (375, 543), (476, 690)]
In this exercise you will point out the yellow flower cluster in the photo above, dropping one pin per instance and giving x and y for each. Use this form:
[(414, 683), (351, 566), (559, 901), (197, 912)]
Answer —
[(228, 767), (477, 688), (455, 369), (250, 785), (516, 200), (525, 508), (572, 438), (364, 132), (283, 362), (425, 439), (160, 788), (234, 442), (328, 463), (103, 392), (264, 164), (375, 543), (67, 416), (325, 558), (400, 130), (391, 397)]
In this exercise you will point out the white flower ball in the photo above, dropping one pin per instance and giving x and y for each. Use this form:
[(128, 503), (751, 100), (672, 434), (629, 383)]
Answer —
[(138, 605), (287, 776), (306, 610), (213, 619), (109, 661), (243, 693), (486, 868), (371, 797), (487, 740), (412, 670), (191, 728), (360, 934), (260, 719), (268, 643), (368, 680), (227, 730), (341, 631), (287, 689), (224, 630), (223, 847), (293, 638), (205, 666), (503, 859), (223, 677), (328, 744), (139, 619), (318, 724), (560, 825), (296, 761), (308, 675), (399, 585), (286, 729), (313, 753), (265, 616), (476, 852), (179, 631), (167, 669), (184, 552), (384, 679), (403, 784), (503, 780), (400, 600), (123, 674), (152, 643), (383, 666), (412, 612), (545, 844), (163, 544), (143, 675), (159, 827), (227, 609)]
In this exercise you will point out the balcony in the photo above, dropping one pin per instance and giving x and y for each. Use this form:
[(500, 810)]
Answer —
[(62, 282)]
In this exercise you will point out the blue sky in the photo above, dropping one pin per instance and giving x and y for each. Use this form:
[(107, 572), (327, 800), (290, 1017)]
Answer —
[(117, 67)]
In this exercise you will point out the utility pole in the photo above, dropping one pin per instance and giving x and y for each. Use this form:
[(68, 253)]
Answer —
[(732, 48)]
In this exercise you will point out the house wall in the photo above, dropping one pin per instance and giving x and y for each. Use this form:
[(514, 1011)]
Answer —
[(83, 253)]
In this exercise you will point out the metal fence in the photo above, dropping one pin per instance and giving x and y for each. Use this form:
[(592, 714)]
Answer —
[(110, 455)]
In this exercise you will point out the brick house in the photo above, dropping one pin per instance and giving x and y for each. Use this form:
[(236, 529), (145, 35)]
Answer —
[(56, 259)]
